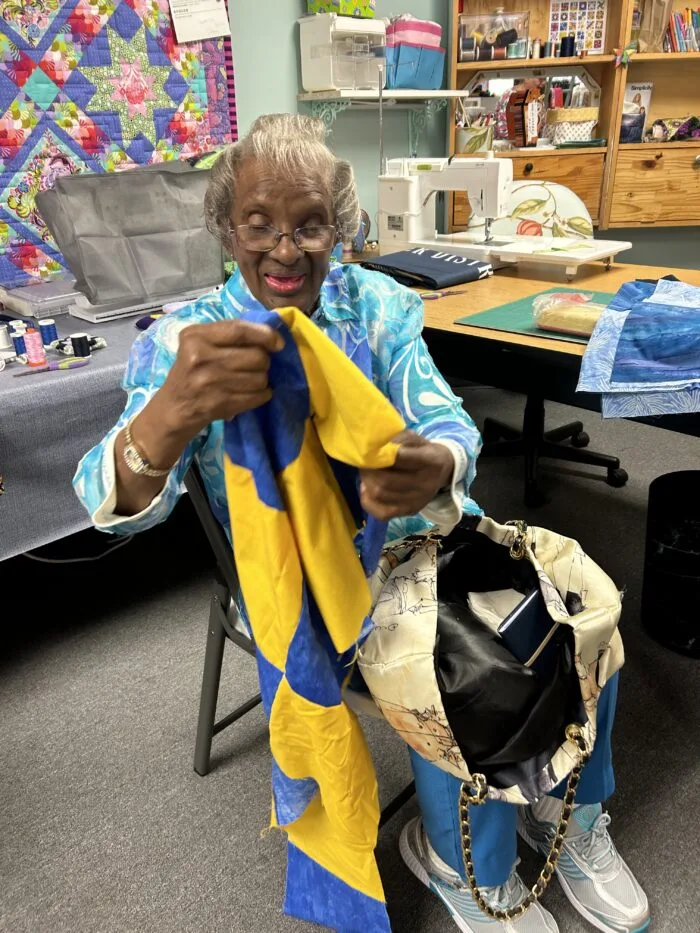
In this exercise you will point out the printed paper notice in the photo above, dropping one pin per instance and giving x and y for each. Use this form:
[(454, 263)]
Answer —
[(195, 20)]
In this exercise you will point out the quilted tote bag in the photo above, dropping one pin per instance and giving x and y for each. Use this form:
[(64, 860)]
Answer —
[(441, 675)]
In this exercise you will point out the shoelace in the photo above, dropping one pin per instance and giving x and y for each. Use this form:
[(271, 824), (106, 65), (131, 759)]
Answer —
[(507, 894), (595, 846)]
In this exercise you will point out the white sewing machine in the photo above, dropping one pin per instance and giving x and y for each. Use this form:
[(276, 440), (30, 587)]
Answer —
[(407, 215)]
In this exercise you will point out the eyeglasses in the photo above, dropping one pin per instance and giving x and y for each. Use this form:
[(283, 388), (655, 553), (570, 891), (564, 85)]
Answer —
[(262, 238)]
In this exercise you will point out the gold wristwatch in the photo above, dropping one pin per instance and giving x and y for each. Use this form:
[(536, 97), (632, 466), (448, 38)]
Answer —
[(135, 459)]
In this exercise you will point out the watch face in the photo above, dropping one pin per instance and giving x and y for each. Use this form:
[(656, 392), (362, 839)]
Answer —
[(133, 459)]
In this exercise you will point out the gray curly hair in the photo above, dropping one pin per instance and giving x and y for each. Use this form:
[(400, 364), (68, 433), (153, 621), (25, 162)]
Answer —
[(291, 143)]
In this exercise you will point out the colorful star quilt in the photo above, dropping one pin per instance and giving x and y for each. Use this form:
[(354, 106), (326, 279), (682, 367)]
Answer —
[(96, 86)]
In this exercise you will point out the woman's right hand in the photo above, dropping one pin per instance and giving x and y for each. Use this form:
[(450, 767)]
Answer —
[(220, 371)]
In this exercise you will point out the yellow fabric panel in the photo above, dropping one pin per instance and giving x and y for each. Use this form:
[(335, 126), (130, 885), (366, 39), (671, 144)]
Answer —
[(359, 432), (268, 564), (324, 531), (339, 828)]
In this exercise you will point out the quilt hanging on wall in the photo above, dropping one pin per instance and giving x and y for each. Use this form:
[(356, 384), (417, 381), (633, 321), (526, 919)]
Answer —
[(98, 86)]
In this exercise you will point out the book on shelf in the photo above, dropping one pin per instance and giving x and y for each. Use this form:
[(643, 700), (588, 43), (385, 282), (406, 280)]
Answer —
[(635, 109), (683, 34)]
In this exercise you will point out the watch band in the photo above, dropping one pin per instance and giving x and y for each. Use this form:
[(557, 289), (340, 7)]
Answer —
[(135, 459)]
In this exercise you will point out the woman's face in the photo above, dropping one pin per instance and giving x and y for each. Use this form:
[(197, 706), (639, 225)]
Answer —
[(286, 275)]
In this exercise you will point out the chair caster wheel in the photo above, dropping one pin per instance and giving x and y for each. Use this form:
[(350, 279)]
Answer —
[(534, 497), (617, 478), (580, 440)]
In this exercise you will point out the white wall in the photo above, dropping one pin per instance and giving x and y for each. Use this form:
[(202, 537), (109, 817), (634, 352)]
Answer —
[(266, 62)]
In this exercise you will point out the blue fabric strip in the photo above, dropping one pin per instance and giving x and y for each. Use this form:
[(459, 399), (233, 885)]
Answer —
[(658, 344), (292, 795), (342, 908), (269, 677), (312, 667)]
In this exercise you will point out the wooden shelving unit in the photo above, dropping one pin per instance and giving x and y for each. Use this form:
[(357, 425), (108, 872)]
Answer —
[(534, 63), (622, 185), (665, 56)]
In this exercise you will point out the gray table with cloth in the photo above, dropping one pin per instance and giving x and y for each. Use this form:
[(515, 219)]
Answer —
[(47, 422)]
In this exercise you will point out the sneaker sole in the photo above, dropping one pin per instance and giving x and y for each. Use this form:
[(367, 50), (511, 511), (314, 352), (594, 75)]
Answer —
[(416, 868), (575, 903)]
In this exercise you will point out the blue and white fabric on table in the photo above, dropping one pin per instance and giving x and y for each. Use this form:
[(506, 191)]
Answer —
[(644, 354)]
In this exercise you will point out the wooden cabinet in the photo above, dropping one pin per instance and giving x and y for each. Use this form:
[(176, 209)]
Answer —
[(656, 185), (583, 173), (621, 185)]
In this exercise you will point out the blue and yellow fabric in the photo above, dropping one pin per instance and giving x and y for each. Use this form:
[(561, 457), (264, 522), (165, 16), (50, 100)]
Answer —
[(291, 482)]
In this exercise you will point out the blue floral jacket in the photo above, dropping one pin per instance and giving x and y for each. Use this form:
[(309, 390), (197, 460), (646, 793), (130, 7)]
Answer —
[(374, 320)]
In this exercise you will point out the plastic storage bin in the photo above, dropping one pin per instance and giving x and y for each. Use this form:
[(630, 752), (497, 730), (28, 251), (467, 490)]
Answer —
[(341, 53), (493, 36), (362, 8), (414, 66)]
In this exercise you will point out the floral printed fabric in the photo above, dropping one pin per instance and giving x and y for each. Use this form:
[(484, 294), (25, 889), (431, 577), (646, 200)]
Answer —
[(96, 85), (542, 208)]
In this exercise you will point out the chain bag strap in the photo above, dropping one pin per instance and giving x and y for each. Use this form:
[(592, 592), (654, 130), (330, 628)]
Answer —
[(477, 794)]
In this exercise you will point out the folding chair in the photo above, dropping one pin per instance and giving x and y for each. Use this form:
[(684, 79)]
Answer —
[(225, 622)]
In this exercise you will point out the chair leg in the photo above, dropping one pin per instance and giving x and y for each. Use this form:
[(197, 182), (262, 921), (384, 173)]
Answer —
[(565, 432), (494, 430), (213, 659), (571, 454)]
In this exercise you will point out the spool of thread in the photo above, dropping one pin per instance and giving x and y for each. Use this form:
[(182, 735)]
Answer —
[(484, 54), (504, 39), (499, 54), (48, 331), (547, 50), (521, 46), (467, 45), (512, 50), (19, 327), (18, 341), (536, 48), (5, 341), (36, 355), (568, 46), (478, 37), (81, 344)]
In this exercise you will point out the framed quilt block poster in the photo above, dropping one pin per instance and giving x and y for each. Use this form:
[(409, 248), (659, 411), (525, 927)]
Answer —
[(96, 86)]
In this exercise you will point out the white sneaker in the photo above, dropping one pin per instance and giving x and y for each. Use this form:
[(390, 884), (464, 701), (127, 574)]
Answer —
[(595, 878), (456, 895)]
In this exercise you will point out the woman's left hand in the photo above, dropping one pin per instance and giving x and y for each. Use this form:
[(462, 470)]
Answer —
[(422, 468)]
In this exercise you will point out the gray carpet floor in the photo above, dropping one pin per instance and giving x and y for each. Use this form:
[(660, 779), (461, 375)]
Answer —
[(105, 827)]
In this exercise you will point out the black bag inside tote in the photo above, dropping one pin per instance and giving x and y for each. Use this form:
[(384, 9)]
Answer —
[(506, 718)]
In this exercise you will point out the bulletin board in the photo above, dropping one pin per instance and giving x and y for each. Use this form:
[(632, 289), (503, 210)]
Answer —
[(98, 86)]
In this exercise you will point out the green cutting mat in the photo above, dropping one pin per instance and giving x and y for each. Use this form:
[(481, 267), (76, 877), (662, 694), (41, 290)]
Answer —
[(517, 317)]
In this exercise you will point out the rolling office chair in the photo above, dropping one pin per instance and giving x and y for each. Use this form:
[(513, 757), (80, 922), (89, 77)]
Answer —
[(225, 622), (544, 208)]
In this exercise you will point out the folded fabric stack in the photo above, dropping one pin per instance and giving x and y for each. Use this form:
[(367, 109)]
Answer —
[(644, 354)]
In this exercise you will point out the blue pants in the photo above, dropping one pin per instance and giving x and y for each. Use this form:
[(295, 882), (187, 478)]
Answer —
[(493, 824)]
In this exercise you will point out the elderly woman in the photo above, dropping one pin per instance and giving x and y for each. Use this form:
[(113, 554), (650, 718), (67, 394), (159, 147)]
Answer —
[(279, 200)]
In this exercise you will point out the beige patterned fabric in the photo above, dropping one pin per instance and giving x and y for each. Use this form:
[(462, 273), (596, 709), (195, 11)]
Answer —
[(397, 660)]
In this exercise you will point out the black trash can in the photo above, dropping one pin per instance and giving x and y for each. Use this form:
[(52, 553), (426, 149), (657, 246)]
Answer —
[(671, 588)]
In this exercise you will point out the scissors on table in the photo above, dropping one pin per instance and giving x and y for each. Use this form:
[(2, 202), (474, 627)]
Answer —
[(433, 296)]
